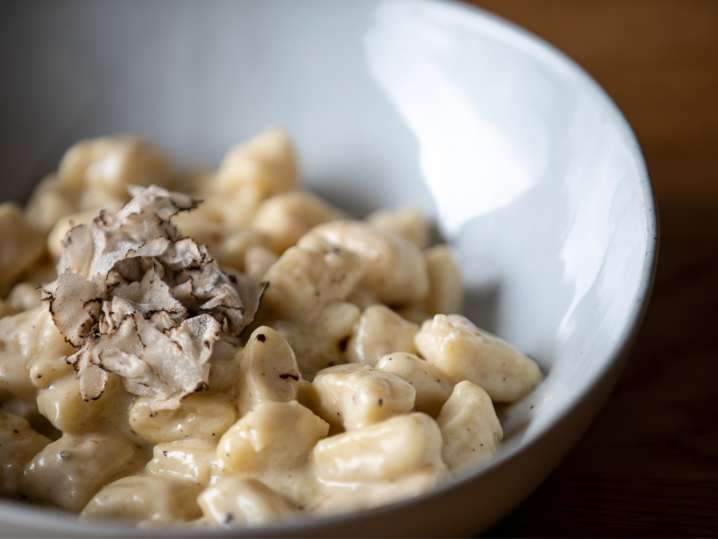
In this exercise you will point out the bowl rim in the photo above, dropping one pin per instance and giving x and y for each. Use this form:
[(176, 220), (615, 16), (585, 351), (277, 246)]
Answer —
[(18, 514)]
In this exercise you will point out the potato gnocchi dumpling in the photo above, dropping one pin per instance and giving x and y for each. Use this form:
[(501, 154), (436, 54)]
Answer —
[(268, 370), (446, 292), (184, 460), (111, 164), (395, 270), (352, 396), (23, 297), (322, 341), (267, 163), (236, 501), (380, 331), (18, 445), (200, 415), (70, 470), (32, 352), (284, 219), (61, 403), (274, 435), (409, 223), (306, 279), (223, 348), (462, 351), (431, 387), (21, 245), (383, 451), (469, 427), (146, 500)]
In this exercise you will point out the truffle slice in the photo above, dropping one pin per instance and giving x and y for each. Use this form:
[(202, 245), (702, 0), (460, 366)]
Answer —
[(138, 299)]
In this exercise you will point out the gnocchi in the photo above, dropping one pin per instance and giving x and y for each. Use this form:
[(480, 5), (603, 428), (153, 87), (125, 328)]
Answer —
[(70, 470), (445, 289), (469, 427), (383, 451), (285, 218), (200, 415), (306, 279), (183, 460), (268, 370), (395, 269), (409, 223), (21, 246), (236, 501), (23, 297), (31, 349), (353, 396), (50, 202), (274, 435), (267, 163), (380, 331), (308, 362), (146, 500), (322, 341), (464, 352), (431, 387), (62, 405), (18, 445), (111, 164)]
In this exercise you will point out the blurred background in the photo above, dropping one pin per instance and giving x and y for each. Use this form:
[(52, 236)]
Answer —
[(649, 464)]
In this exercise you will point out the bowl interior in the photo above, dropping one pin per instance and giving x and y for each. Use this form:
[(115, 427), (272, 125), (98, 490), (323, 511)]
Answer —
[(529, 169)]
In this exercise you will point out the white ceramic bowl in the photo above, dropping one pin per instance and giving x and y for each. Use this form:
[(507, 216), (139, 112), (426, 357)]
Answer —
[(530, 169)]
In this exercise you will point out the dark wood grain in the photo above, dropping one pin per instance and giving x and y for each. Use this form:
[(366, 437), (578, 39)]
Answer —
[(648, 467)]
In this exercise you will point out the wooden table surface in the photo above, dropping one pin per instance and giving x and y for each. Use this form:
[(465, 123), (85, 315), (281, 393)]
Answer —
[(649, 464)]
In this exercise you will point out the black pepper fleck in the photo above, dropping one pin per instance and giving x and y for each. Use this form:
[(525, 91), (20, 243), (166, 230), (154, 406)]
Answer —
[(380, 402), (261, 337)]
